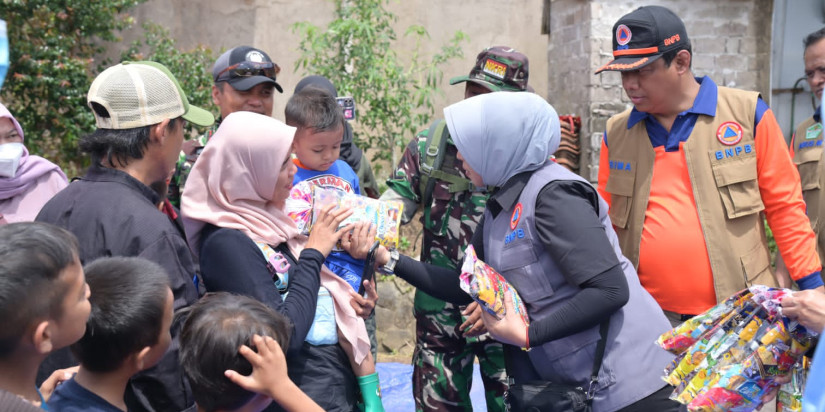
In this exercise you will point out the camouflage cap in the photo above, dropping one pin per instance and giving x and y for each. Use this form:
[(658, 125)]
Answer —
[(498, 68)]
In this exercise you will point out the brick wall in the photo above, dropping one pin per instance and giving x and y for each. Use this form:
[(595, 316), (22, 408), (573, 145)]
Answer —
[(731, 43)]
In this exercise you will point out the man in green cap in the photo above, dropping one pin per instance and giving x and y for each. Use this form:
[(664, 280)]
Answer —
[(140, 111), (448, 337)]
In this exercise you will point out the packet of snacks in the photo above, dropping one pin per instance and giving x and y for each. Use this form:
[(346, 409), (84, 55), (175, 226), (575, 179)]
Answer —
[(306, 201), (487, 287), (740, 357)]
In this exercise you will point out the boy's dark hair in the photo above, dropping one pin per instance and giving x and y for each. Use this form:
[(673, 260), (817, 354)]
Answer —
[(128, 300), (669, 55), (32, 257), (813, 38), (118, 146), (214, 330), (314, 107)]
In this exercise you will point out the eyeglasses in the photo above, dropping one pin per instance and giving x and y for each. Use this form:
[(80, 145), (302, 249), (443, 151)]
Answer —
[(249, 69)]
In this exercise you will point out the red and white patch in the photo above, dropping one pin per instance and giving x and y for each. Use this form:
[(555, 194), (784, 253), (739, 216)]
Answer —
[(623, 35), (729, 133), (515, 217)]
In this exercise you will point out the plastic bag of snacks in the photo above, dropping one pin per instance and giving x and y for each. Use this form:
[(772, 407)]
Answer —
[(789, 398), (306, 200), (487, 287), (736, 352)]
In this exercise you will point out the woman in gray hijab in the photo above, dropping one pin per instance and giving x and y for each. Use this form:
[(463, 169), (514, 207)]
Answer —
[(546, 231)]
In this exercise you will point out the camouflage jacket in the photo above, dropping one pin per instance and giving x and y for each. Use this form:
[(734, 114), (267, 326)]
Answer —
[(449, 219), (189, 152)]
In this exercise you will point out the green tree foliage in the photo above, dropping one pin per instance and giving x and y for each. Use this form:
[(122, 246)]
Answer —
[(51, 58), (192, 68), (53, 49), (357, 53)]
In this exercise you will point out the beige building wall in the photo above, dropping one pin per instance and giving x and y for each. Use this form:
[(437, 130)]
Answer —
[(267, 25)]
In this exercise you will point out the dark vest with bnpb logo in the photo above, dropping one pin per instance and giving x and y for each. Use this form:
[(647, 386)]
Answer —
[(633, 365)]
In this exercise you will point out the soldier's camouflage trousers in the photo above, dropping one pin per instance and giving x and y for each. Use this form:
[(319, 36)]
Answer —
[(443, 360)]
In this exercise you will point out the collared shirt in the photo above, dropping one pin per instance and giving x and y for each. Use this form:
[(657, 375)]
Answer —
[(704, 104)]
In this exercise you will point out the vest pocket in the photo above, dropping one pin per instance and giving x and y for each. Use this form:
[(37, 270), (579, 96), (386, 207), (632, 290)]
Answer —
[(531, 285), (620, 187), (807, 161), (756, 265), (738, 187)]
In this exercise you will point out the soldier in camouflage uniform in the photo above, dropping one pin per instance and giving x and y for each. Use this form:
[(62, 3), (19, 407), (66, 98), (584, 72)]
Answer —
[(444, 350), (244, 80)]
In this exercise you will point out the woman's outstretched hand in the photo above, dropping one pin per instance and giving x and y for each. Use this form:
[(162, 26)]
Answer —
[(325, 233), (510, 329)]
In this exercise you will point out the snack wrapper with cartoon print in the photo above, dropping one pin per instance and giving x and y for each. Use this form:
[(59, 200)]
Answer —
[(487, 287), (306, 201), (738, 359)]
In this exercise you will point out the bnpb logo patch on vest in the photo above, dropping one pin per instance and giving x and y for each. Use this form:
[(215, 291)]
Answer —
[(729, 133), (515, 217)]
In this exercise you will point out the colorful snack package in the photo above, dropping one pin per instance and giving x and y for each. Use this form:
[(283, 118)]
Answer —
[(789, 398), (678, 339), (487, 287), (306, 200)]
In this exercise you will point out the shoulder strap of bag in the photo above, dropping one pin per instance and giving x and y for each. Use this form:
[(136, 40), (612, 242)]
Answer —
[(597, 359), (433, 157)]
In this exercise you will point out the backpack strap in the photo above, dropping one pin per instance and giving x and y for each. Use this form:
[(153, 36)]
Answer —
[(433, 157)]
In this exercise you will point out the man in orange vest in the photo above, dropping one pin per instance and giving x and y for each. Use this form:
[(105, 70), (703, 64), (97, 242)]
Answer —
[(687, 172)]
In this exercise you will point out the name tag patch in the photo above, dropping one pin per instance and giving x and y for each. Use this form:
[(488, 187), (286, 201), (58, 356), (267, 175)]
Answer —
[(813, 132)]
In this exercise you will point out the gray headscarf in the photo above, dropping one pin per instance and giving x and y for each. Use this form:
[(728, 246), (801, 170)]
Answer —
[(502, 134)]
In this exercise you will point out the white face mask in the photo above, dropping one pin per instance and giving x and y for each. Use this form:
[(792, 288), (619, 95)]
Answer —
[(10, 154)]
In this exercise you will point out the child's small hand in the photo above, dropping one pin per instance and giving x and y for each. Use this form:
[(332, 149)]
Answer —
[(325, 233), (268, 367), (358, 242), (56, 378)]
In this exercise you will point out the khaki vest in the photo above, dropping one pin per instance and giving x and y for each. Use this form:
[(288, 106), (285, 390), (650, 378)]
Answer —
[(725, 189), (808, 157)]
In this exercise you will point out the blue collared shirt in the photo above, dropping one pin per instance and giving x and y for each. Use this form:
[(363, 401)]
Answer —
[(704, 104)]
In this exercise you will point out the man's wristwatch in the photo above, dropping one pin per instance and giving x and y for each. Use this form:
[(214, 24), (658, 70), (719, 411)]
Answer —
[(389, 268)]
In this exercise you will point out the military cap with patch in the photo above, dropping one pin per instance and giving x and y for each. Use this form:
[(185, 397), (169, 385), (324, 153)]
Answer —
[(498, 68)]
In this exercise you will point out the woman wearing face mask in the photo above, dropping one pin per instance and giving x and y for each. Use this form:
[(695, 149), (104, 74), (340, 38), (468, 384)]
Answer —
[(27, 182), (547, 232)]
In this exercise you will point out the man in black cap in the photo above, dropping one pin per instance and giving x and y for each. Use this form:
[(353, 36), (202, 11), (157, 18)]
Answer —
[(688, 170), (244, 81)]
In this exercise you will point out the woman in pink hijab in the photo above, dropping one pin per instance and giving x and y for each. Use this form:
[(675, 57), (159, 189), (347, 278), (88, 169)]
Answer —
[(27, 182), (233, 210)]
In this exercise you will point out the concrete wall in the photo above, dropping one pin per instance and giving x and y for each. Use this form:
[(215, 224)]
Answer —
[(267, 25), (731, 43)]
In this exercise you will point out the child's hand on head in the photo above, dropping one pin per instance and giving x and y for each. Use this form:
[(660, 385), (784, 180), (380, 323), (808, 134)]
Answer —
[(268, 367)]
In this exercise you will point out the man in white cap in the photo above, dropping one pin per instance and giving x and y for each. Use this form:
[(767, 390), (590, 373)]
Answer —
[(140, 111)]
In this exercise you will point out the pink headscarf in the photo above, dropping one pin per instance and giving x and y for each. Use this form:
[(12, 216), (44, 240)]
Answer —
[(29, 170), (231, 185)]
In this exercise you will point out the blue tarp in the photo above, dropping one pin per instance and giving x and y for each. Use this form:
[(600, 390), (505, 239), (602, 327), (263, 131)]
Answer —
[(396, 388)]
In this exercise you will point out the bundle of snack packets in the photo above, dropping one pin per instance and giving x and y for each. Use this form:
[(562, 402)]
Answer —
[(488, 287), (789, 398), (306, 201), (731, 355)]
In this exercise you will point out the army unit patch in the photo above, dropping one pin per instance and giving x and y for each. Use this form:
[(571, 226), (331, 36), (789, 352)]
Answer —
[(495, 69)]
